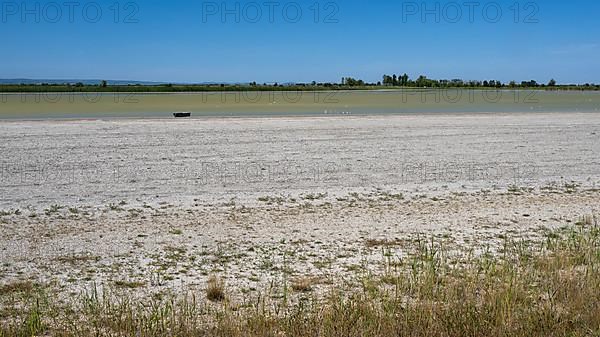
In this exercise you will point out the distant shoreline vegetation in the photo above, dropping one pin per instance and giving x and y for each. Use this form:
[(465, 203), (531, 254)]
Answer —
[(347, 83)]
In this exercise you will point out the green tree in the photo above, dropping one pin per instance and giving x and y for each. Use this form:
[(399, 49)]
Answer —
[(552, 83), (404, 81), (387, 80)]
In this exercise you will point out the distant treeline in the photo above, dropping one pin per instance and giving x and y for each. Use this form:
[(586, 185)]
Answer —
[(424, 82), (347, 83)]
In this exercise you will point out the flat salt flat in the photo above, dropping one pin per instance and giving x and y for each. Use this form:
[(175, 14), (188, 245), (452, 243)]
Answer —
[(107, 161), (111, 200)]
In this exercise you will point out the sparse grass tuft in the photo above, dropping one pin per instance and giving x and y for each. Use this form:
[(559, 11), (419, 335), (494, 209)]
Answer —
[(317, 196), (53, 209), (10, 212), (17, 287), (76, 259), (271, 200), (370, 243), (116, 207), (303, 284), (130, 285), (215, 290)]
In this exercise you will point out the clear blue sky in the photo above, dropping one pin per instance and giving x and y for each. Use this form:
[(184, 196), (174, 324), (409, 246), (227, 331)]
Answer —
[(188, 41)]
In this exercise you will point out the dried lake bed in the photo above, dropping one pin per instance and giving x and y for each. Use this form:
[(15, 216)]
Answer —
[(159, 205)]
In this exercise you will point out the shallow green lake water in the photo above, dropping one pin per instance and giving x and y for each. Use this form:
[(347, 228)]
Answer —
[(243, 104)]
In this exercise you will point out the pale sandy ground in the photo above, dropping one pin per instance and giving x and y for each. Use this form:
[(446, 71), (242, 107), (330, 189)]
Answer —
[(263, 201)]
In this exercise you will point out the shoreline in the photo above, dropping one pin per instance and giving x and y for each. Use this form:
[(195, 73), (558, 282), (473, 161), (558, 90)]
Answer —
[(292, 116), (345, 90)]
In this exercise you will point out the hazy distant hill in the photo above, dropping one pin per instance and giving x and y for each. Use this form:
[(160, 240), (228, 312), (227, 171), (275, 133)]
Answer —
[(71, 81), (30, 81)]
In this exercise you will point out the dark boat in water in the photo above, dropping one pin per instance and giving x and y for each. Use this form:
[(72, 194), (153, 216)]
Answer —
[(182, 114)]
